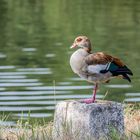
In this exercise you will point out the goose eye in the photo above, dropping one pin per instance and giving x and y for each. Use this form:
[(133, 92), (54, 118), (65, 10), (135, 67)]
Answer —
[(79, 39)]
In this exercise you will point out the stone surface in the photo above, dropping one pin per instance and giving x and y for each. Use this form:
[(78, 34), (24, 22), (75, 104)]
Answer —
[(74, 120)]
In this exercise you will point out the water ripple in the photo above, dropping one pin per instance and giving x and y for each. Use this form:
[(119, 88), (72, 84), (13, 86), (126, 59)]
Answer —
[(46, 97), (29, 103), (132, 94), (132, 99), (119, 86), (5, 93), (29, 49), (18, 80), (24, 108), (33, 115), (19, 84), (24, 73), (59, 87), (33, 69), (7, 67), (12, 77)]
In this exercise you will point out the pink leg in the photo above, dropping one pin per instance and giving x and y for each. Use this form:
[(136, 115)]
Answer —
[(94, 92), (92, 100)]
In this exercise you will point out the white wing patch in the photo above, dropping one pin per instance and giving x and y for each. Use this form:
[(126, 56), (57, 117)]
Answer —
[(92, 69)]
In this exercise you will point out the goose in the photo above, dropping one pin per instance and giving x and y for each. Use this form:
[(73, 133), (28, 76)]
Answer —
[(97, 67)]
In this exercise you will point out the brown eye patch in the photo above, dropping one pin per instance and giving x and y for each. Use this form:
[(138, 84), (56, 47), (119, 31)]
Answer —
[(79, 39)]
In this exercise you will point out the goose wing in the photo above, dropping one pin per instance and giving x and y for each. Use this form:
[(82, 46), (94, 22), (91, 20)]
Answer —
[(102, 63)]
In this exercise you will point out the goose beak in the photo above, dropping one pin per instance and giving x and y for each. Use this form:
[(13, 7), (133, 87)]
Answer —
[(73, 46)]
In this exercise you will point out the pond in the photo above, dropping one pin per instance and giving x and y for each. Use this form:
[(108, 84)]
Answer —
[(35, 36)]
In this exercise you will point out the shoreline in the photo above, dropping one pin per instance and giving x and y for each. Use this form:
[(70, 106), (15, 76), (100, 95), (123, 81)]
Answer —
[(26, 131)]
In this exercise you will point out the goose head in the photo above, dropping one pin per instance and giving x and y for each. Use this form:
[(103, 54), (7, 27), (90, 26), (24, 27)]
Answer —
[(82, 42)]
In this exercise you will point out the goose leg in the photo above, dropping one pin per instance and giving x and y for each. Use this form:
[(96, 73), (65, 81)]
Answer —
[(91, 100), (94, 92)]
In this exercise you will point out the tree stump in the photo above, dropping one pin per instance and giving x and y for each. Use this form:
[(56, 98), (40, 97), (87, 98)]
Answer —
[(74, 120)]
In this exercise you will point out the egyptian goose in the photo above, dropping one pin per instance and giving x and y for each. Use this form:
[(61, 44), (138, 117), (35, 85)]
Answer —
[(96, 67)]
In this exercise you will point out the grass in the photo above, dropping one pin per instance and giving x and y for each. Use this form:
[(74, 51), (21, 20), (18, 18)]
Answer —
[(132, 121), (27, 130), (42, 130)]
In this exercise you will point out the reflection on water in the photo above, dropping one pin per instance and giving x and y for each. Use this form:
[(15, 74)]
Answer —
[(132, 97), (29, 102), (119, 86), (7, 67), (60, 87), (132, 94), (50, 55), (34, 51), (34, 92), (34, 115), (26, 72), (7, 123), (2, 56), (43, 97), (19, 84), (18, 80), (29, 49), (12, 77), (1, 89), (25, 108), (133, 100)]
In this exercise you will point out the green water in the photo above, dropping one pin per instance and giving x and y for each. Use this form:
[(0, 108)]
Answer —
[(35, 36)]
